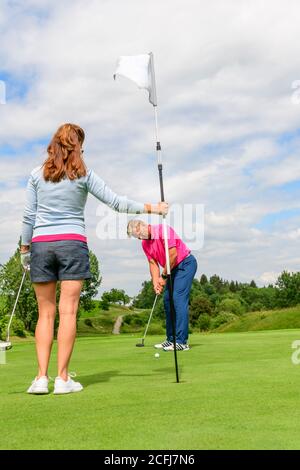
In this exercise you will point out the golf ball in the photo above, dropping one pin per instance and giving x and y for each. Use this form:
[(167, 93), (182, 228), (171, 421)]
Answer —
[(156, 355)]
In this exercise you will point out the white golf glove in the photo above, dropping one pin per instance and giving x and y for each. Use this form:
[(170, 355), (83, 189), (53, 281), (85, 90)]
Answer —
[(25, 260)]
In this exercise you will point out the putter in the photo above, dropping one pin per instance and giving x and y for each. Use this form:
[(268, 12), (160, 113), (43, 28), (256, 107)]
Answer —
[(6, 345), (141, 345)]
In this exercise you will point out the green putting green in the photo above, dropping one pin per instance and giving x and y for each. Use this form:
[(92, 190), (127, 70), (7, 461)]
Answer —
[(237, 391)]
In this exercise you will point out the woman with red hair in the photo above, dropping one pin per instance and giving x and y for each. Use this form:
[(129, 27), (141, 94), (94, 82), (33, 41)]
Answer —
[(54, 245)]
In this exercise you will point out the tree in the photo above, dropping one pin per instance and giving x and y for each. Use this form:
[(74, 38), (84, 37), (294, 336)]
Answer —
[(288, 292), (265, 296), (90, 286), (215, 299), (116, 296), (10, 278), (200, 306), (232, 287), (252, 284), (196, 289), (216, 281), (203, 280), (146, 296)]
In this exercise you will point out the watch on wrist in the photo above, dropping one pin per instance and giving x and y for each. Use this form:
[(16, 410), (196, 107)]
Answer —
[(164, 276)]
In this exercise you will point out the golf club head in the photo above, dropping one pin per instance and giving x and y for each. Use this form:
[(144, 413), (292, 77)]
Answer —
[(5, 345), (140, 345)]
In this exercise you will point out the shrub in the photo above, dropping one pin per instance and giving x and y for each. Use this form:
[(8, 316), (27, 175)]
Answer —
[(135, 320), (88, 322), (156, 329), (159, 311), (204, 322), (231, 305), (222, 318), (104, 304), (18, 328), (257, 307), (3, 326)]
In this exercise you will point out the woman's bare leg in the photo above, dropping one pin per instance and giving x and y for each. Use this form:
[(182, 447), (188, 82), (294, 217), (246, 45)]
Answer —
[(68, 306), (46, 298)]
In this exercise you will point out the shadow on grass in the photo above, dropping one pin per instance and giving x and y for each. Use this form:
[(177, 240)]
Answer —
[(100, 377), (87, 380)]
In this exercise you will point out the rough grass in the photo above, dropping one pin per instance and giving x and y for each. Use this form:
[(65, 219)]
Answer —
[(102, 321), (265, 320)]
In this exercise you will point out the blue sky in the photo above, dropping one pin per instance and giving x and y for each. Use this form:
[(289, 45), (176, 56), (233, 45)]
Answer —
[(267, 222), (16, 87), (229, 124)]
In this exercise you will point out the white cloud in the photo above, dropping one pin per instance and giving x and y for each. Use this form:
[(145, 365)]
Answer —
[(269, 277), (279, 173), (224, 75)]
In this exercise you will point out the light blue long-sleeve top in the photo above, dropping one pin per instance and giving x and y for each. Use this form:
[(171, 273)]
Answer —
[(58, 208)]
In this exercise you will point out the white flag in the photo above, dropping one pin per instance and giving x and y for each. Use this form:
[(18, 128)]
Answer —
[(139, 69)]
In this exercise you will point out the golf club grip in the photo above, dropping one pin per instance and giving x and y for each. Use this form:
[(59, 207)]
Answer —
[(161, 183)]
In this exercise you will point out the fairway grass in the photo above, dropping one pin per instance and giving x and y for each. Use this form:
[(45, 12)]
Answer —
[(237, 391)]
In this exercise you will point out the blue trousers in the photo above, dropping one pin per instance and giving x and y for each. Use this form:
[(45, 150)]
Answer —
[(182, 278)]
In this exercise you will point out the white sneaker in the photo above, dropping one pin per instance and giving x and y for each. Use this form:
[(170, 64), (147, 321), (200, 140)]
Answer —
[(39, 386), (61, 386), (163, 345)]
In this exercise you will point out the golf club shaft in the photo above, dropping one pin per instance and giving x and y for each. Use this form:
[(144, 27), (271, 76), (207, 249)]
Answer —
[(15, 305), (143, 339)]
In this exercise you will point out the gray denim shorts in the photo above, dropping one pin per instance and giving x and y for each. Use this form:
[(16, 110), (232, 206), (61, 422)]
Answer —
[(59, 260)]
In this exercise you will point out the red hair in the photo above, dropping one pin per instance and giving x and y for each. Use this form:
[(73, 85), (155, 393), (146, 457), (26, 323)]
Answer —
[(64, 154)]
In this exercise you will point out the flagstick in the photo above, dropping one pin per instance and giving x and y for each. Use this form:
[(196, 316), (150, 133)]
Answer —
[(169, 280), (124, 66)]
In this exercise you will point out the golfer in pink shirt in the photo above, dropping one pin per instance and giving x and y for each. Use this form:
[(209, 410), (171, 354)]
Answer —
[(183, 269)]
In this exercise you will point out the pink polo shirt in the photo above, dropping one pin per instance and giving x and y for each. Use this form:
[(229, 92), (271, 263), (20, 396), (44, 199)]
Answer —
[(155, 247)]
